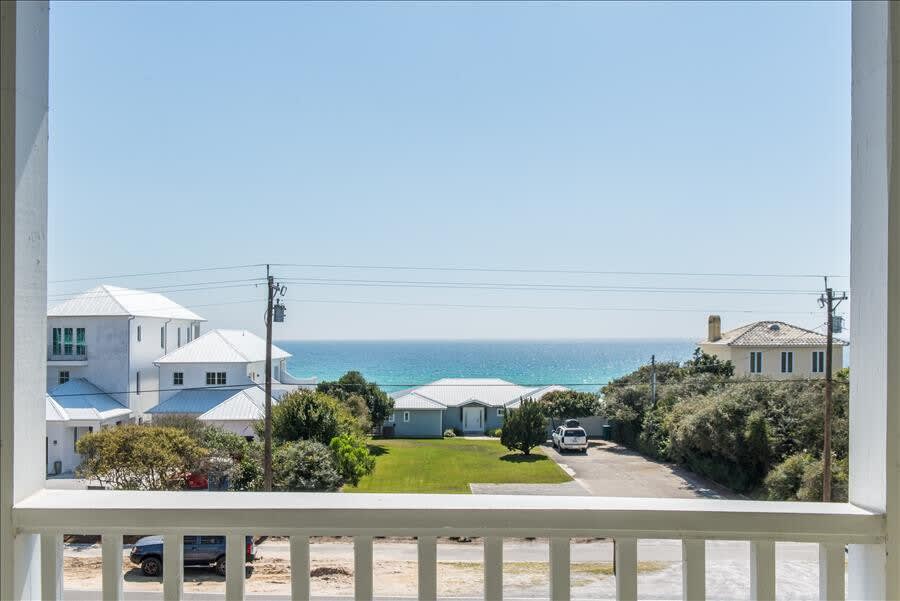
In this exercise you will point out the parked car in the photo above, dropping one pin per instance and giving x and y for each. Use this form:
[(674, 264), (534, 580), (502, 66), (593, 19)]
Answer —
[(204, 550), (566, 438)]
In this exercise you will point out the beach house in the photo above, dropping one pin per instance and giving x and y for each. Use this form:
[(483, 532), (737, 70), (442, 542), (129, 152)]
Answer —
[(468, 405), (773, 349)]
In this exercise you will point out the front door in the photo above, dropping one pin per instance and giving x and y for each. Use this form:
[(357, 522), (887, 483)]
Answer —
[(472, 419)]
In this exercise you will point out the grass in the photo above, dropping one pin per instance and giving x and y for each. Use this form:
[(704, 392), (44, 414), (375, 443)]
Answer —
[(449, 465)]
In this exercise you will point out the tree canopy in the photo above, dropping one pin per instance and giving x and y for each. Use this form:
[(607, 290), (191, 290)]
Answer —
[(564, 404), (353, 384), (524, 428), (309, 415)]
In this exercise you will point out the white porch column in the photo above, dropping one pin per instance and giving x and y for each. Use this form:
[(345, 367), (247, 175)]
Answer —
[(875, 294), (24, 51)]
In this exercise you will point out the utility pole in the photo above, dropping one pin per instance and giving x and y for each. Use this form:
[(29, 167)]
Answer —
[(278, 310), (653, 380), (829, 302)]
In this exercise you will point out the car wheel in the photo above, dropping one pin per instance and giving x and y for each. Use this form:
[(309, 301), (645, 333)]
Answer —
[(151, 567), (220, 566)]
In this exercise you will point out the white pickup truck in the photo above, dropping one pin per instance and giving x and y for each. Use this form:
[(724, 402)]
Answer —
[(568, 438)]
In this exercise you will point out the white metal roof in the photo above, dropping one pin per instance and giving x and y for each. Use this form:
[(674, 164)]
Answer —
[(493, 392), (415, 401), (246, 405), (79, 400), (223, 346), (108, 300), (772, 333), (231, 403)]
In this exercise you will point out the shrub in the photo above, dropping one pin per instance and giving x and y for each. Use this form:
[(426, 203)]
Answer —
[(134, 457), (309, 415), (495, 433), (811, 487), (450, 433), (784, 481), (563, 404), (352, 384), (305, 466), (524, 428), (352, 457)]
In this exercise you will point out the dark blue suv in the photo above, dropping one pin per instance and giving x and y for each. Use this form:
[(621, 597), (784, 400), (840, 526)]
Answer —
[(202, 550)]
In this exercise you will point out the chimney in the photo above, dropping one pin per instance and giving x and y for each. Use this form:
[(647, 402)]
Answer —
[(715, 328)]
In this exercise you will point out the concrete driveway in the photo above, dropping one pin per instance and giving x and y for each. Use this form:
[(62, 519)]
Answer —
[(611, 470)]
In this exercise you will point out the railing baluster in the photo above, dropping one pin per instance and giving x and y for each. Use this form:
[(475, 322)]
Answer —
[(693, 570), (235, 566), (831, 571), (559, 569), (493, 568), (173, 567), (300, 568), (362, 568), (626, 569), (111, 551), (52, 566), (427, 568), (762, 570)]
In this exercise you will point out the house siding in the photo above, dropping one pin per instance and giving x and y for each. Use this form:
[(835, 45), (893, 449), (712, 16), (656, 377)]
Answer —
[(422, 424)]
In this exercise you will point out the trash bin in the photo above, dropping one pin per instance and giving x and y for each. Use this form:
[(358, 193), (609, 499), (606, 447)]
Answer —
[(57, 468), (607, 432)]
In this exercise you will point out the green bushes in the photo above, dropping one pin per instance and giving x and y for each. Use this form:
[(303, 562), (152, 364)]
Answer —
[(352, 457), (450, 433), (799, 478), (305, 465), (495, 432), (524, 428)]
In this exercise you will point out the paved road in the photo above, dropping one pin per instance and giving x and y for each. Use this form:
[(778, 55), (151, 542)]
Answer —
[(611, 470)]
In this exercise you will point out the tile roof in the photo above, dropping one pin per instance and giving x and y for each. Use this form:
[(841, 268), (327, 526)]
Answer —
[(223, 346), (106, 300), (454, 392), (79, 400), (772, 333)]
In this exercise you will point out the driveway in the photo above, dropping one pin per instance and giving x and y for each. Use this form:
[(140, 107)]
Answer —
[(611, 470)]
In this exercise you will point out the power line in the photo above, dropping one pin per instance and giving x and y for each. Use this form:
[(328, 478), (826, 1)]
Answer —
[(198, 287), (154, 273)]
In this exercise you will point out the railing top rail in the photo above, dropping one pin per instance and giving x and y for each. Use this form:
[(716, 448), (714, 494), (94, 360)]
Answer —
[(80, 511)]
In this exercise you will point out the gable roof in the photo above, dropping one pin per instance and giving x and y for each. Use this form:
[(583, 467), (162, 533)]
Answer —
[(79, 400), (416, 401), (773, 333), (105, 300), (240, 403), (223, 346), (454, 392)]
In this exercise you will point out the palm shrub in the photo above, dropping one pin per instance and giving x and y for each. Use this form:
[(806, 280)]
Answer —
[(524, 428)]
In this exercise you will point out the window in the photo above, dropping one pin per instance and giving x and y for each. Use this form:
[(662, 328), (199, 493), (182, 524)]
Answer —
[(178, 341), (756, 362), (63, 377), (787, 362), (392, 417), (188, 330), (137, 382), (178, 378), (80, 347), (215, 378), (197, 330), (406, 416), (818, 362), (162, 337), (501, 411), (57, 341), (67, 341), (139, 333)]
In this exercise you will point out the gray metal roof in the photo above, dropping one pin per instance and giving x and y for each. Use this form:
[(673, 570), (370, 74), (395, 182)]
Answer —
[(491, 392), (79, 400)]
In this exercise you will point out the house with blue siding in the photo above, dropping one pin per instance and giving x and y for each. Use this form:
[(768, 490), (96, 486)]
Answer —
[(469, 405)]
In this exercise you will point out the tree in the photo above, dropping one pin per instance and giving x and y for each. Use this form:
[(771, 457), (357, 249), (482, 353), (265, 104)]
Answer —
[(352, 457), (352, 383), (305, 466), (133, 457), (564, 404), (309, 415), (709, 364), (524, 428)]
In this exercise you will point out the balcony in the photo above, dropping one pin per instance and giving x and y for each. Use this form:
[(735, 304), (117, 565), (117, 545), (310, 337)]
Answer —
[(67, 355), (52, 513)]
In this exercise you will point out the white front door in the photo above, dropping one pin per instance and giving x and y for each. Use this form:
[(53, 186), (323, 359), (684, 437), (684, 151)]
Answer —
[(472, 419)]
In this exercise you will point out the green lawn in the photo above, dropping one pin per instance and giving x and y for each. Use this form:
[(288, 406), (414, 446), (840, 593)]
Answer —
[(449, 465)]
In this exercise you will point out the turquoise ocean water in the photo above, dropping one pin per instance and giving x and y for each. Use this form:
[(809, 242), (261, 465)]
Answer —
[(581, 364)]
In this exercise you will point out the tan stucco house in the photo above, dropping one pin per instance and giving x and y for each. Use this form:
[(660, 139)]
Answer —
[(772, 349)]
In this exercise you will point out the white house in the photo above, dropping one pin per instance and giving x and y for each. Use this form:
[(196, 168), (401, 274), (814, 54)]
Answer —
[(219, 378), (773, 349), (101, 346)]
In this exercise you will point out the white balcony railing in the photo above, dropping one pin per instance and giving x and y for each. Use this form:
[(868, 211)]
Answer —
[(52, 513)]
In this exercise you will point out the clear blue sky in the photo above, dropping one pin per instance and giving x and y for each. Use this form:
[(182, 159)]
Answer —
[(638, 137)]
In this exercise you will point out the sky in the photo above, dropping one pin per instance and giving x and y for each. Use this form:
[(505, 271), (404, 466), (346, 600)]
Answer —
[(556, 144)]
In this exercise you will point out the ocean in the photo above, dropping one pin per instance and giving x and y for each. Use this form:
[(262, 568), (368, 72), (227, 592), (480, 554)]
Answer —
[(579, 364)]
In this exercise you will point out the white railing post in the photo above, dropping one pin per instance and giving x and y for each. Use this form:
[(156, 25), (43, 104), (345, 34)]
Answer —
[(493, 568), (235, 566), (173, 567), (626, 569), (362, 568), (427, 568), (831, 571), (693, 570), (559, 569), (300, 568), (762, 570), (52, 566), (111, 552)]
